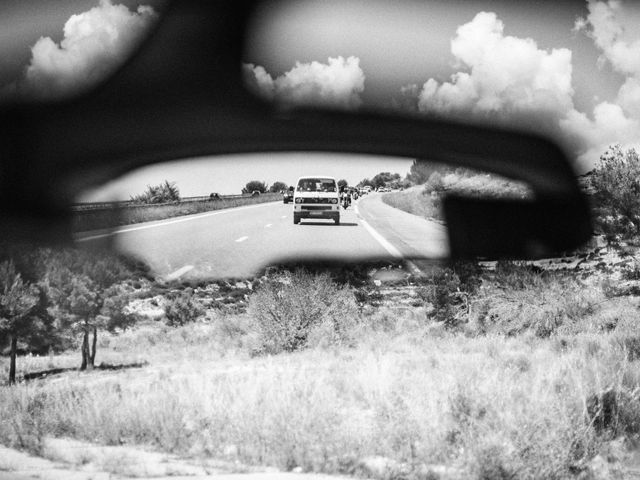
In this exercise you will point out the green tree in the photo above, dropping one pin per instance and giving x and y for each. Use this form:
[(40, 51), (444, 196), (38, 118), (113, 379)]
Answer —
[(85, 295), (255, 185), (421, 170), (384, 178), (616, 186), (342, 183), (278, 187), (17, 300)]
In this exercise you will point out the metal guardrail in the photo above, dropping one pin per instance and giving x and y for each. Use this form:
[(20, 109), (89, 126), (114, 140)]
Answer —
[(82, 207)]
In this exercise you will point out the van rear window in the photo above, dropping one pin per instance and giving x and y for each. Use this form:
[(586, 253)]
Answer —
[(317, 185)]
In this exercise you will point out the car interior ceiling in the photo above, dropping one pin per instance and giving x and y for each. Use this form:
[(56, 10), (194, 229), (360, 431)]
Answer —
[(171, 101)]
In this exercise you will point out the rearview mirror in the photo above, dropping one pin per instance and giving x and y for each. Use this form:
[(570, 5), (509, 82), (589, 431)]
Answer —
[(171, 101)]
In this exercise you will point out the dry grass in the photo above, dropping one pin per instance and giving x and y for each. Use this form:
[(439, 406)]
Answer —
[(98, 219), (426, 200), (415, 200), (532, 386), (406, 391)]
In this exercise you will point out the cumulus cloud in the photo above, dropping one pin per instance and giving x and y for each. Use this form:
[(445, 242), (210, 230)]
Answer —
[(501, 74), (613, 28), (614, 31), (337, 83), (95, 42)]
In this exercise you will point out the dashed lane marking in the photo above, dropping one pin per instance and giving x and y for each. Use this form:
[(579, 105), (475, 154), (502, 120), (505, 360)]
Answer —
[(393, 251), (268, 225), (241, 239), (283, 216), (178, 273)]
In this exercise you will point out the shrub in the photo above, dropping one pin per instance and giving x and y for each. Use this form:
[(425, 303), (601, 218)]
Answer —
[(520, 298), (164, 193), (182, 309), (255, 186), (614, 411), (294, 310), (631, 271), (449, 289), (616, 185)]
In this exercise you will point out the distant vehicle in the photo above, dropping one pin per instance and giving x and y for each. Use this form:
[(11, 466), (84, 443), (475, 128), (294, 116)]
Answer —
[(345, 196), (255, 193), (287, 195), (316, 197)]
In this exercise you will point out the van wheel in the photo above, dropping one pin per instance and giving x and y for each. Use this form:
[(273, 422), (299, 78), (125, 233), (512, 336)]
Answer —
[(296, 220), (337, 220)]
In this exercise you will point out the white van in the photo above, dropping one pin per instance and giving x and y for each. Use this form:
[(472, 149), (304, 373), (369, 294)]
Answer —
[(316, 196)]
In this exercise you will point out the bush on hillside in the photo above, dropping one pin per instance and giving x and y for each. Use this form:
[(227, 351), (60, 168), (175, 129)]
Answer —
[(291, 311), (183, 309), (519, 298), (449, 291)]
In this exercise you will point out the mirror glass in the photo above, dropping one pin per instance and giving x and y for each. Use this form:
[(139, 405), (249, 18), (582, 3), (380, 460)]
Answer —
[(232, 216)]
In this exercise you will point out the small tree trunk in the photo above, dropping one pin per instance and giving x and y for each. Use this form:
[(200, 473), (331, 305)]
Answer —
[(94, 342), (85, 350), (12, 362)]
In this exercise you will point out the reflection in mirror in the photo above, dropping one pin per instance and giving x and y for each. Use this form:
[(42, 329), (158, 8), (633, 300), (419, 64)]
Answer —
[(232, 216)]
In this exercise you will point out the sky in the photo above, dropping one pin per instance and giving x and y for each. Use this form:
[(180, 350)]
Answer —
[(568, 69)]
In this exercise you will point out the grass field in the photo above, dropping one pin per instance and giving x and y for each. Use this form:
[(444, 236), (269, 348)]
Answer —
[(405, 398), (98, 219)]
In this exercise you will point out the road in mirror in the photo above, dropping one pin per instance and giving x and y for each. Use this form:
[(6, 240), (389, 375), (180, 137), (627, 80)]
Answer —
[(232, 216)]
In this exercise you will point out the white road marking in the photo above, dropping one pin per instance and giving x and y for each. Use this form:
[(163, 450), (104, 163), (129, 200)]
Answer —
[(178, 273), (413, 267), (393, 251), (283, 216), (268, 225), (187, 218), (241, 239)]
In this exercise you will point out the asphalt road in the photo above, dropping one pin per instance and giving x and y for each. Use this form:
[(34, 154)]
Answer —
[(240, 242)]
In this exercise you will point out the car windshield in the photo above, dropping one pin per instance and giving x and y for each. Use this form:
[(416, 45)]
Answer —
[(316, 185)]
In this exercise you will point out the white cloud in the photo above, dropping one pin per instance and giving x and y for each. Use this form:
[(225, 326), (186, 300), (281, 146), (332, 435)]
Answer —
[(337, 83), (609, 124), (504, 74), (613, 27), (95, 42)]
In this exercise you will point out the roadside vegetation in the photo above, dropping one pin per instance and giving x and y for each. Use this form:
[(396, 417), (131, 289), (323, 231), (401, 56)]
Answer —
[(164, 193), (425, 200), (503, 370), (466, 372), (86, 220)]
